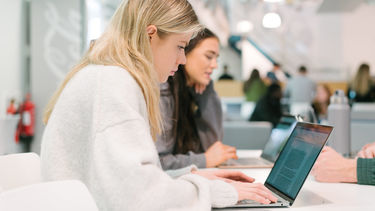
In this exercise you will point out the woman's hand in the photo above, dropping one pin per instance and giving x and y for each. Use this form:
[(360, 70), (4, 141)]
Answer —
[(367, 151), (243, 184), (254, 191), (225, 175), (218, 153), (332, 167)]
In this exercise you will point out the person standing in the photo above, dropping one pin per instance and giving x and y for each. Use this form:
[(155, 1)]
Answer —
[(254, 88), (300, 89)]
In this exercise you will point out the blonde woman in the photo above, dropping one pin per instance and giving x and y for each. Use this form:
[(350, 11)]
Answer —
[(102, 121), (362, 88)]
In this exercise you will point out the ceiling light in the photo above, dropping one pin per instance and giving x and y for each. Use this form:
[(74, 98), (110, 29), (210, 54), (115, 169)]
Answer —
[(271, 20), (244, 27)]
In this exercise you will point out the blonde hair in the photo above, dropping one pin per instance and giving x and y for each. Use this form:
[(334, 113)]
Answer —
[(125, 43), (362, 81)]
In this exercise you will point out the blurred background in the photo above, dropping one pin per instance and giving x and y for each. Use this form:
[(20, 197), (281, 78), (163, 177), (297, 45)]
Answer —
[(41, 40)]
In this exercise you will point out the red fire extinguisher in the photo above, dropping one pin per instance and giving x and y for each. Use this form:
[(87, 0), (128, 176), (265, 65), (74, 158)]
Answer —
[(27, 122)]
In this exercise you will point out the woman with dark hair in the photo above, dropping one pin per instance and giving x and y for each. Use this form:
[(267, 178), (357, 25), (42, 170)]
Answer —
[(254, 88), (192, 110), (268, 107)]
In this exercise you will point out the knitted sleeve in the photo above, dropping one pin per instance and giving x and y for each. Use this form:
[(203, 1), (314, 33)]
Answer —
[(366, 171)]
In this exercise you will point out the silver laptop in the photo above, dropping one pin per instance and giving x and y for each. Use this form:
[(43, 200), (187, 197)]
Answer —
[(293, 164), (274, 145)]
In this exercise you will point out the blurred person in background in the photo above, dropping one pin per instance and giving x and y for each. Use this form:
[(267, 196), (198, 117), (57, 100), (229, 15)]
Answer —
[(321, 102), (268, 108), (276, 75), (361, 88), (300, 88), (226, 75), (254, 88)]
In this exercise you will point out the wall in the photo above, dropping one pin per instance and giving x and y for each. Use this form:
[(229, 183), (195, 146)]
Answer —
[(231, 58), (56, 42), (358, 36), (330, 44), (10, 52)]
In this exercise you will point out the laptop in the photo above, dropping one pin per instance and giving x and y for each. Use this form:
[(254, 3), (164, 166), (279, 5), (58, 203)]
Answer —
[(293, 164), (274, 145)]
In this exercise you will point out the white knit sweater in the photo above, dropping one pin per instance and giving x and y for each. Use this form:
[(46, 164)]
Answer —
[(99, 133)]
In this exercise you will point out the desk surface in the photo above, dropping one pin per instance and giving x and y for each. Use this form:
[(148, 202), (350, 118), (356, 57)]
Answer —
[(319, 196)]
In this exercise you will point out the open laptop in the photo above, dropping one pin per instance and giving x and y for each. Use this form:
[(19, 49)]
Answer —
[(293, 164), (274, 145)]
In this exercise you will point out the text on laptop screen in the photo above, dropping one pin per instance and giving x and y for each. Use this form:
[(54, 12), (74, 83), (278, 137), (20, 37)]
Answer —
[(297, 158)]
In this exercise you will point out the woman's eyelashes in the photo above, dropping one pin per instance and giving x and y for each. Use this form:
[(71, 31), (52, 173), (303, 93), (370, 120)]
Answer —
[(209, 57), (181, 47)]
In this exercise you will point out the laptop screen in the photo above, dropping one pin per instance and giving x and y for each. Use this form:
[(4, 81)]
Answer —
[(279, 136), (297, 158)]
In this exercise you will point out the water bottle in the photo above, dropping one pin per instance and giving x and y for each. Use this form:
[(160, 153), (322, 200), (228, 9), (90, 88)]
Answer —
[(339, 117)]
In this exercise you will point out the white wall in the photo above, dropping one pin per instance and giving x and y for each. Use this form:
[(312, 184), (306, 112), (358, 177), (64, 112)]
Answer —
[(252, 58), (10, 52), (56, 40), (231, 58), (358, 36)]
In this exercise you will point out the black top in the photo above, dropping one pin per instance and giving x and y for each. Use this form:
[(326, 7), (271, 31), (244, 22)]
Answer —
[(356, 97), (226, 76), (267, 109)]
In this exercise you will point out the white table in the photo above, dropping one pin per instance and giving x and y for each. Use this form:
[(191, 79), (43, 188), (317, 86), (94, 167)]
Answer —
[(316, 196)]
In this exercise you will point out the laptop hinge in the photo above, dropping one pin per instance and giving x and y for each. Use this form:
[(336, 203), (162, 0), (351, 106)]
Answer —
[(279, 193)]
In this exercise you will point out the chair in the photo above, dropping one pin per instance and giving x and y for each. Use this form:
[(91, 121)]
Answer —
[(69, 195), (19, 170)]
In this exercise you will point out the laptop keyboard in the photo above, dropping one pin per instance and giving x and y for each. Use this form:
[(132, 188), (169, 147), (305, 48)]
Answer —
[(248, 201)]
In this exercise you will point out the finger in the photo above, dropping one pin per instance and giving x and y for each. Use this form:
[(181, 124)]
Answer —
[(360, 154), (258, 198), (368, 154), (325, 148), (365, 146), (239, 176), (230, 149), (263, 192), (235, 175), (231, 155)]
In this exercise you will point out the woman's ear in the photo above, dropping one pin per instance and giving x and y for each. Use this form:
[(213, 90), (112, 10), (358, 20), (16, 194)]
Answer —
[(151, 31)]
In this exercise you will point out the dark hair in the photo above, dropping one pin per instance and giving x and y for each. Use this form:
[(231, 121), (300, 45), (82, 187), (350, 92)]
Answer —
[(273, 91), (302, 69), (253, 77), (185, 128)]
